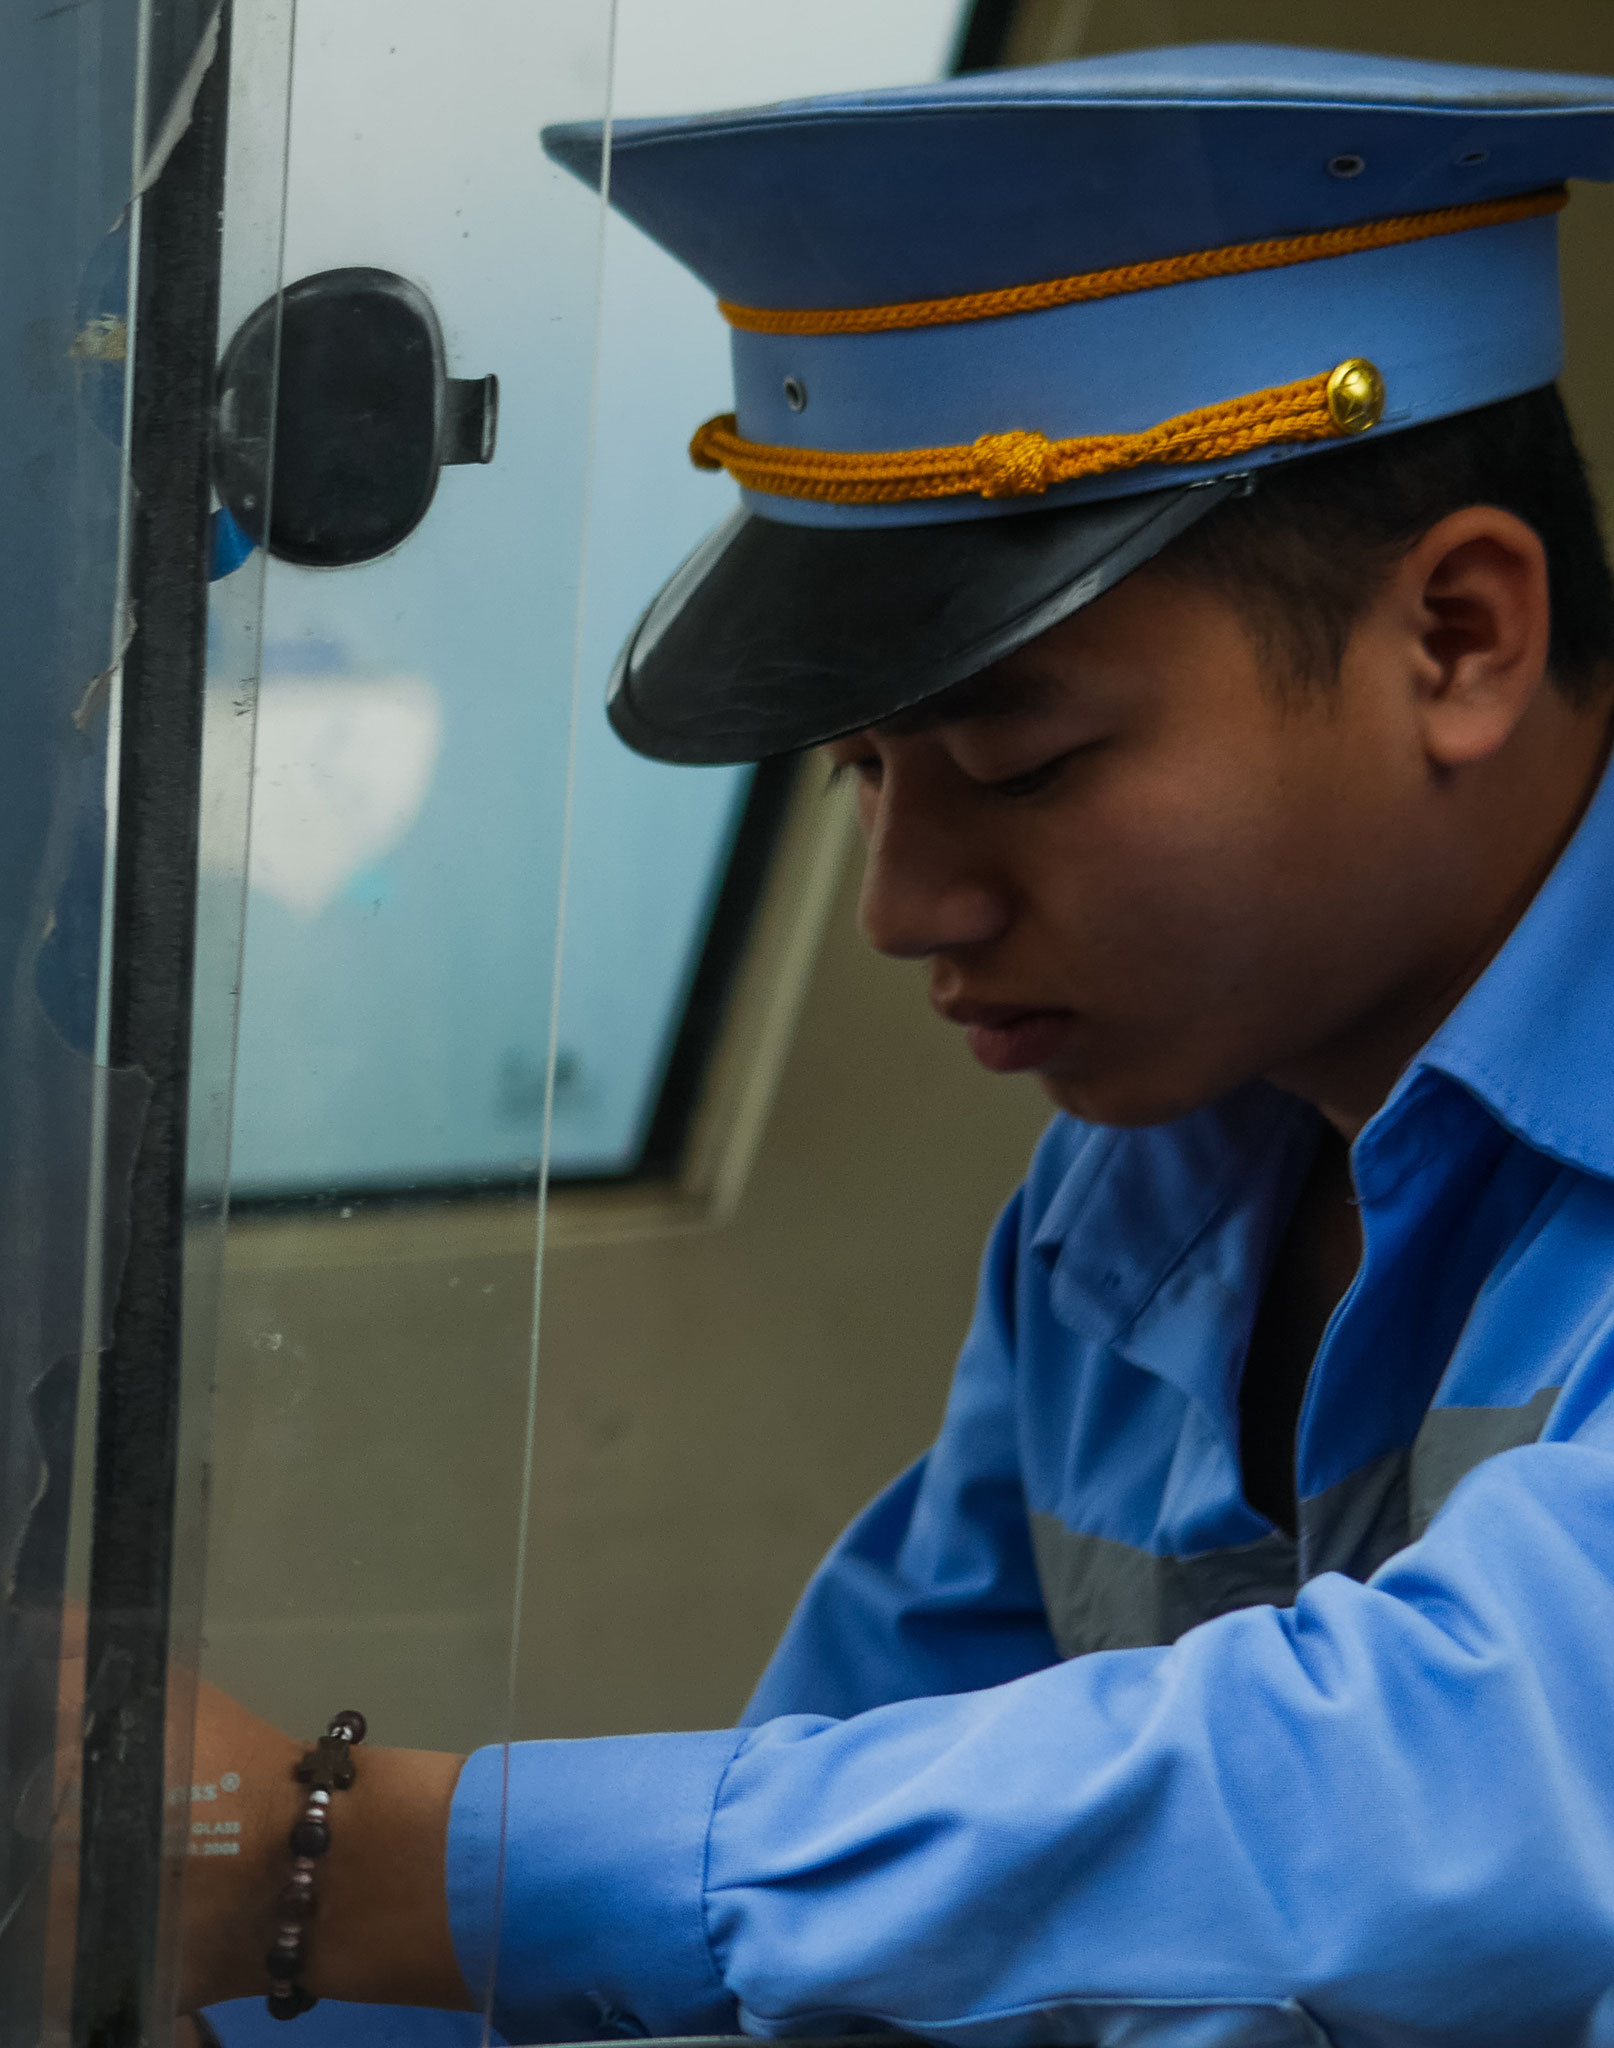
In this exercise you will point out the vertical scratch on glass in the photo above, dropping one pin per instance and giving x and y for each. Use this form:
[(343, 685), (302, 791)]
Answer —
[(529, 1435)]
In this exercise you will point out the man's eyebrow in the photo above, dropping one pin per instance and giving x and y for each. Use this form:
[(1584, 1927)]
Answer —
[(995, 693)]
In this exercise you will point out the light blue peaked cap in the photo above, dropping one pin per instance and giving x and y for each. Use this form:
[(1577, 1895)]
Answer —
[(1011, 177), (803, 619)]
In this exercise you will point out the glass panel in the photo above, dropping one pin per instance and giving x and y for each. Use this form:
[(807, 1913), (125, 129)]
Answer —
[(697, 1440), (651, 842), (69, 134), (155, 983), (414, 713), (412, 761), (406, 858), (262, 35), (325, 1498), (115, 116)]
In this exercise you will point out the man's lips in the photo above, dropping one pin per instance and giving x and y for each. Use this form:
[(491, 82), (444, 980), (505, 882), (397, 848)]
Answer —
[(1009, 1038)]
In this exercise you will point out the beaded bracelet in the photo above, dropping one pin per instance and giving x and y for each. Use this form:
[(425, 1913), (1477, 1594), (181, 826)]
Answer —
[(324, 1770)]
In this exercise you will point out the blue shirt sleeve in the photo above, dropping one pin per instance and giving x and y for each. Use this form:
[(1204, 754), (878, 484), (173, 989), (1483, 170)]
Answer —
[(1384, 1814), (933, 1589)]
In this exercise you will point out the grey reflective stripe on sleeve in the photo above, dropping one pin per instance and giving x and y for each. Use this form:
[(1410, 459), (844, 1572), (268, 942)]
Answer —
[(1453, 1441), (1359, 1521), (1103, 1595)]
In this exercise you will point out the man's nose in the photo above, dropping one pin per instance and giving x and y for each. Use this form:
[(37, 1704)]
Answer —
[(925, 889)]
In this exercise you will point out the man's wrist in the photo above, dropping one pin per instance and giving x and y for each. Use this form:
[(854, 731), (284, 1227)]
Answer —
[(230, 1895), (382, 1930)]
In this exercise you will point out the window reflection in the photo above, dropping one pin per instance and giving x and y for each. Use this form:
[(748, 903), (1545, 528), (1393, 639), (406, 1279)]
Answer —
[(396, 995)]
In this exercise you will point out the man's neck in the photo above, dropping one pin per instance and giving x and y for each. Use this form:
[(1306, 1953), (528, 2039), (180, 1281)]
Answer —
[(1312, 1267), (1349, 1078)]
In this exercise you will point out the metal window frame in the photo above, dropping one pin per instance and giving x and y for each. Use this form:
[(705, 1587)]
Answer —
[(122, 1861)]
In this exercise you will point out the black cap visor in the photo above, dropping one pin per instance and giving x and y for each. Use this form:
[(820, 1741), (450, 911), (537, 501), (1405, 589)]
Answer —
[(772, 638)]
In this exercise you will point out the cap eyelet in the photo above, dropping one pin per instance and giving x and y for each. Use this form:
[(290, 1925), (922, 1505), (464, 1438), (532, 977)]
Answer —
[(795, 394), (1346, 165)]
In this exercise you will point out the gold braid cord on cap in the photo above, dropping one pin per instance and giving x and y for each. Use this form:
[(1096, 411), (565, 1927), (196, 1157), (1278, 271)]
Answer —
[(1236, 260), (1346, 400)]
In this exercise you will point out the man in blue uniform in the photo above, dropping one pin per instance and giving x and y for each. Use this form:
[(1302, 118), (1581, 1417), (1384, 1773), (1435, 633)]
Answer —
[(1158, 499)]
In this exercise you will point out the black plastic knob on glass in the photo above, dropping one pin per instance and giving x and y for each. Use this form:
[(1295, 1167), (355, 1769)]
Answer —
[(325, 1769)]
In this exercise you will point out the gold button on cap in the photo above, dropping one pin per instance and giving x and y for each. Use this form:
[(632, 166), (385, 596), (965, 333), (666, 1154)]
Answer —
[(1355, 394)]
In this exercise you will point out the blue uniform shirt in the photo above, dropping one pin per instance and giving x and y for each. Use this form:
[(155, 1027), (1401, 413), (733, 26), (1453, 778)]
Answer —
[(1066, 1742)]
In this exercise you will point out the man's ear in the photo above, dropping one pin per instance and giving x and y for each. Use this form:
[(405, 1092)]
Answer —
[(1474, 593)]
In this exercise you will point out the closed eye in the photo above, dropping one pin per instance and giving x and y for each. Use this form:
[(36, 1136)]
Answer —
[(1033, 781)]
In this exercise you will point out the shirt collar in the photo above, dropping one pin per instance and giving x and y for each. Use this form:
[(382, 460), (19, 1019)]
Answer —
[(1128, 1227), (1130, 1233), (1533, 1039)]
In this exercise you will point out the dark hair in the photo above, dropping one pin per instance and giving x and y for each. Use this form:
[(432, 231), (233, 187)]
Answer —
[(1306, 549)]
